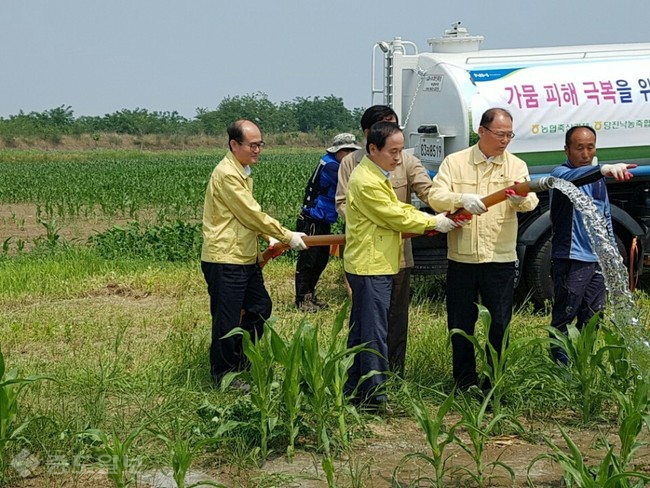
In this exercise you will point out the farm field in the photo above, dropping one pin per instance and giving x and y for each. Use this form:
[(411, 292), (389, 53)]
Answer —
[(104, 316)]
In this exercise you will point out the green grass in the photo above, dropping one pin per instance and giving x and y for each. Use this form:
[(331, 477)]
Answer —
[(125, 339)]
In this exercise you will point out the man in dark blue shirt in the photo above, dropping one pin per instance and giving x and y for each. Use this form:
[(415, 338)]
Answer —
[(317, 216), (579, 286)]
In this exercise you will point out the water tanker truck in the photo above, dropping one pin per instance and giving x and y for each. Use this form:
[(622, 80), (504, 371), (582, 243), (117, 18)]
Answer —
[(440, 95)]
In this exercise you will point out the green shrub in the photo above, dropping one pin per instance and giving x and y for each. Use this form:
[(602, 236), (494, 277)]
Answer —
[(178, 241)]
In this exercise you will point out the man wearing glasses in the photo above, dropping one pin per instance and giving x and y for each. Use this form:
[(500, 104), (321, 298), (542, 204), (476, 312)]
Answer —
[(232, 224), (481, 255)]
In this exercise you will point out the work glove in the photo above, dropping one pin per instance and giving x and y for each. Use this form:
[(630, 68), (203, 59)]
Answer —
[(273, 242), (473, 204), (514, 197), (296, 243), (619, 171), (462, 219), (444, 223)]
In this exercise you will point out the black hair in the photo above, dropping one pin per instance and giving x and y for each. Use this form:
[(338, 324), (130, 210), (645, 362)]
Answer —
[(235, 132), (379, 132), (375, 114), (569, 133), (488, 116)]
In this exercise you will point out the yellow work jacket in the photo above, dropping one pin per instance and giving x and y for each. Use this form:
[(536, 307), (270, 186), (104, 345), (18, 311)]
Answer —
[(374, 222), (408, 177), (232, 218), (492, 236)]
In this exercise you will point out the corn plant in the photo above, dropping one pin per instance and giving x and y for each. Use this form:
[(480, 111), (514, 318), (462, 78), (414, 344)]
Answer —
[(52, 232), (115, 454), (633, 414), (10, 387), (438, 437), (609, 473), (587, 365), (260, 375), (325, 371), (182, 447), (290, 357), (494, 364), (479, 427)]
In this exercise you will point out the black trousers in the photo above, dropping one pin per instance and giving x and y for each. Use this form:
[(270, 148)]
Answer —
[(494, 283), (398, 320), (369, 325), (579, 293), (238, 298), (312, 262)]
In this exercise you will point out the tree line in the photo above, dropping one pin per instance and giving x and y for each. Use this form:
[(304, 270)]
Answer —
[(299, 115)]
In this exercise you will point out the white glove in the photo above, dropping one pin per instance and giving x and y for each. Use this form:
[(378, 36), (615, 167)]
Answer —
[(296, 241), (619, 171), (444, 223), (273, 242), (473, 204), (515, 198)]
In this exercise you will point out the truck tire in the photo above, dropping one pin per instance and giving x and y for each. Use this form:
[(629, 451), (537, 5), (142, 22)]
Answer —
[(538, 269)]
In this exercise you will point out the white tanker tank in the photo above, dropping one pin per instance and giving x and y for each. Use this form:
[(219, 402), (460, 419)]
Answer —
[(440, 96)]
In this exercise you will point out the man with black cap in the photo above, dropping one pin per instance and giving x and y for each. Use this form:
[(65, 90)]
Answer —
[(317, 216)]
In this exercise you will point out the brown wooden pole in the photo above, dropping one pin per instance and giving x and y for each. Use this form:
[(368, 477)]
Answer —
[(537, 185)]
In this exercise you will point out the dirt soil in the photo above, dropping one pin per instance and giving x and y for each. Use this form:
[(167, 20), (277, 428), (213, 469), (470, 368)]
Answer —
[(20, 222), (372, 463)]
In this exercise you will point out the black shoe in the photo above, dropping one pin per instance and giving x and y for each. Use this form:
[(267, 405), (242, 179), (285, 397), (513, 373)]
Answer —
[(319, 303), (309, 304), (378, 405), (465, 384)]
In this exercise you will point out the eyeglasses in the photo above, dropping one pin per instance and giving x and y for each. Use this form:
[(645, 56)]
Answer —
[(253, 146), (501, 135)]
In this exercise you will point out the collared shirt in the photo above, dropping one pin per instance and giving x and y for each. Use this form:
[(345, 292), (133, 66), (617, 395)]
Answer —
[(409, 176), (383, 171), (375, 220), (492, 236), (232, 218)]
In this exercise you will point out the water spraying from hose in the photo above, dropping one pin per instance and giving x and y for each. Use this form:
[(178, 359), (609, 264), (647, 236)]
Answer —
[(621, 310)]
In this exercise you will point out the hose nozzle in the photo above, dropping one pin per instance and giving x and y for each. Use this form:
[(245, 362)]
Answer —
[(541, 184)]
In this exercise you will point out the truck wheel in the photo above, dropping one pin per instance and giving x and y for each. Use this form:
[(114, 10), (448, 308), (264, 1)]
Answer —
[(538, 269)]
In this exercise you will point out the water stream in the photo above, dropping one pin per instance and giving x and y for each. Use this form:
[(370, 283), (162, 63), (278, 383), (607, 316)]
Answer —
[(621, 309)]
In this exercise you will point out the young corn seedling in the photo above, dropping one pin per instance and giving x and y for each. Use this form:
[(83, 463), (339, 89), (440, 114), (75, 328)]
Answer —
[(115, 454), (633, 414), (587, 365), (608, 474), (264, 392), (182, 448), (10, 387), (479, 428), (438, 437), (324, 371), (290, 357)]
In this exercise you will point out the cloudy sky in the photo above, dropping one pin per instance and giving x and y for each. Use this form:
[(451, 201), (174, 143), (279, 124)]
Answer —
[(103, 56)]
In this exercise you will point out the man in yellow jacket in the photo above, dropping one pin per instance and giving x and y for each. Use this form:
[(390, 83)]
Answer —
[(482, 254), (375, 221), (232, 224), (408, 177)]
